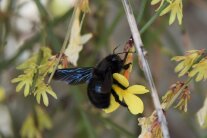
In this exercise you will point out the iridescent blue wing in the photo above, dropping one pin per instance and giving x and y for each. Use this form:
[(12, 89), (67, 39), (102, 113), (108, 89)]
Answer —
[(74, 75)]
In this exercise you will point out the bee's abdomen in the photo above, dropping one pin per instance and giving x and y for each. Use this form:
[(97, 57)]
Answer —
[(99, 93)]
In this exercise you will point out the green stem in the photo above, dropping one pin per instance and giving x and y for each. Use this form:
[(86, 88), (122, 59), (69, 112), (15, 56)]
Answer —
[(42, 10), (88, 126), (141, 11), (152, 19)]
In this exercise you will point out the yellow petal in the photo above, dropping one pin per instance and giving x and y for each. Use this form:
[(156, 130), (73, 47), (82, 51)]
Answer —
[(113, 105), (118, 91), (153, 2), (51, 92), (180, 17), (178, 58), (179, 67), (184, 70), (45, 99), (85, 38), (162, 2), (137, 89), (199, 77), (193, 72), (38, 97), (16, 80), (20, 86), (134, 103), (166, 10), (172, 16), (121, 79), (26, 90)]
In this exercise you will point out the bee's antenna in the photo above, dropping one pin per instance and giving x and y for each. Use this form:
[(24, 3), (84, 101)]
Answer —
[(115, 49)]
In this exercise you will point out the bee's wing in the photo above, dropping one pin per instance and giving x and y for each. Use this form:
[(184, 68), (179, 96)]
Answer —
[(74, 75)]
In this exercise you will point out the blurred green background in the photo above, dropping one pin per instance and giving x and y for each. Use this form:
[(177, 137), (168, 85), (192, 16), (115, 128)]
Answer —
[(23, 28)]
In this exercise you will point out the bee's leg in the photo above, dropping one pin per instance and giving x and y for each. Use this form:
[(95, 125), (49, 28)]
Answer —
[(126, 66), (125, 57), (116, 97)]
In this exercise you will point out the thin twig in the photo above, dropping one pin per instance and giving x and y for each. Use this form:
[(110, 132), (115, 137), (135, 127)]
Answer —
[(147, 72), (152, 19)]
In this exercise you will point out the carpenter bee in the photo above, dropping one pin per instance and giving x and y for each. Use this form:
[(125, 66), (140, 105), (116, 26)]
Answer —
[(99, 79)]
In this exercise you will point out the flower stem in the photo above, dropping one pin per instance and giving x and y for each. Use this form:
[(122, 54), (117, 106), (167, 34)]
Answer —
[(141, 11), (152, 19)]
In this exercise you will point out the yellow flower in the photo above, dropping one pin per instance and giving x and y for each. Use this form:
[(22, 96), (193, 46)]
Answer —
[(43, 119), (187, 61), (29, 129), (42, 91), (32, 80), (200, 69), (76, 40), (36, 123), (128, 95), (24, 81), (176, 9)]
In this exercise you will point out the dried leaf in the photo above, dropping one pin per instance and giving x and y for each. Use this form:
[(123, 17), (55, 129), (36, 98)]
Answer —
[(76, 40)]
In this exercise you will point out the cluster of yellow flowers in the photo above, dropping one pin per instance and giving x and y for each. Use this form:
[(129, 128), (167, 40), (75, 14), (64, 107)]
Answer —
[(175, 7), (193, 63), (35, 70)]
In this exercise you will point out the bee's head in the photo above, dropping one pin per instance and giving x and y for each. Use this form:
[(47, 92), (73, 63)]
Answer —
[(115, 61)]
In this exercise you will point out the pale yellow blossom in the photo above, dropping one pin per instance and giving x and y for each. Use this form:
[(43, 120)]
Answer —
[(175, 8), (76, 40), (200, 69), (187, 61)]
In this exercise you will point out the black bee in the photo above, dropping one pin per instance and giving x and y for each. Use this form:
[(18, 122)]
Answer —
[(99, 79)]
